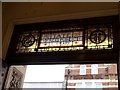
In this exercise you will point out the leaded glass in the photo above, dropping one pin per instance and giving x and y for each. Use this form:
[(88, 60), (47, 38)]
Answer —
[(61, 41), (28, 41), (99, 37), (66, 39)]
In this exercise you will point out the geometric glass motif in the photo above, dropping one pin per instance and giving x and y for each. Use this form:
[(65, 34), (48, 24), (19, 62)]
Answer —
[(99, 37), (28, 42), (61, 41), (66, 39)]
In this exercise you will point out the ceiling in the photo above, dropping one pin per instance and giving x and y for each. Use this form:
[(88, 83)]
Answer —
[(14, 10)]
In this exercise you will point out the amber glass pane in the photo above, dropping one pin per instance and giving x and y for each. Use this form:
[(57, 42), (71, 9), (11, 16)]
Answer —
[(99, 37), (61, 41), (66, 39)]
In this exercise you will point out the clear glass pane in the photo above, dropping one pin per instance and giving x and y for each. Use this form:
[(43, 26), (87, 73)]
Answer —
[(68, 76)]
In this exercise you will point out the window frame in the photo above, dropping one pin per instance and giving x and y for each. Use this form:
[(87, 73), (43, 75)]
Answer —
[(108, 56)]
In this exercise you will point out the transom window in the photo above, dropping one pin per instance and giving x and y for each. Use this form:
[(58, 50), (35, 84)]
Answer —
[(66, 39)]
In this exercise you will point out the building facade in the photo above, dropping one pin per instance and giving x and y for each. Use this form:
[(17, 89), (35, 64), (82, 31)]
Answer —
[(91, 76)]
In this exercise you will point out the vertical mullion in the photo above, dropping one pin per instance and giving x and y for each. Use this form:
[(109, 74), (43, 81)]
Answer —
[(60, 43), (72, 38), (85, 35), (109, 29), (39, 39), (50, 39)]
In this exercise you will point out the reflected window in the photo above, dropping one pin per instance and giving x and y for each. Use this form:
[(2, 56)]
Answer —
[(79, 85), (88, 85), (98, 85)]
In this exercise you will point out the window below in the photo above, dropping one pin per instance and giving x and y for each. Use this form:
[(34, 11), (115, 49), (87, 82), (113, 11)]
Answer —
[(63, 76), (83, 76)]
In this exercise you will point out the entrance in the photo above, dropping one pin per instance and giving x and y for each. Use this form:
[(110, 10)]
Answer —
[(91, 41)]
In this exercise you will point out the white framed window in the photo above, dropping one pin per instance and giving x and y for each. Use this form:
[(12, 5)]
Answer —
[(79, 85), (82, 69), (98, 85), (88, 84), (73, 65), (94, 69)]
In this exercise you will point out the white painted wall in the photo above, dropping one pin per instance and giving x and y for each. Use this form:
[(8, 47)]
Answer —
[(45, 73), (44, 76)]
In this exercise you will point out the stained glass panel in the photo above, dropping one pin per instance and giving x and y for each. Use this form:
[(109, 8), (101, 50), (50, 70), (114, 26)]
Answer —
[(28, 41), (61, 41), (68, 39), (99, 37), (77, 36)]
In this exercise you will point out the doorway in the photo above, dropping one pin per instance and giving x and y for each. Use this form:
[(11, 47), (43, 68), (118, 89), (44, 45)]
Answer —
[(64, 76), (80, 43)]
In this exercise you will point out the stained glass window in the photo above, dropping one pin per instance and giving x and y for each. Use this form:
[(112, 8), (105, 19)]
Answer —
[(62, 41), (67, 39), (28, 41), (99, 37)]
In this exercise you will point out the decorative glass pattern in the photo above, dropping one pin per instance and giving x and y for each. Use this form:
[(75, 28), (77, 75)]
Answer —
[(28, 41), (61, 41), (99, 37), (66, 39)]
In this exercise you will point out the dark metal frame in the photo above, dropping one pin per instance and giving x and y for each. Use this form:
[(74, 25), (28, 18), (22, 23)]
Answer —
[(82, 56), (119, 45), (5, 69), (84, 38)]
